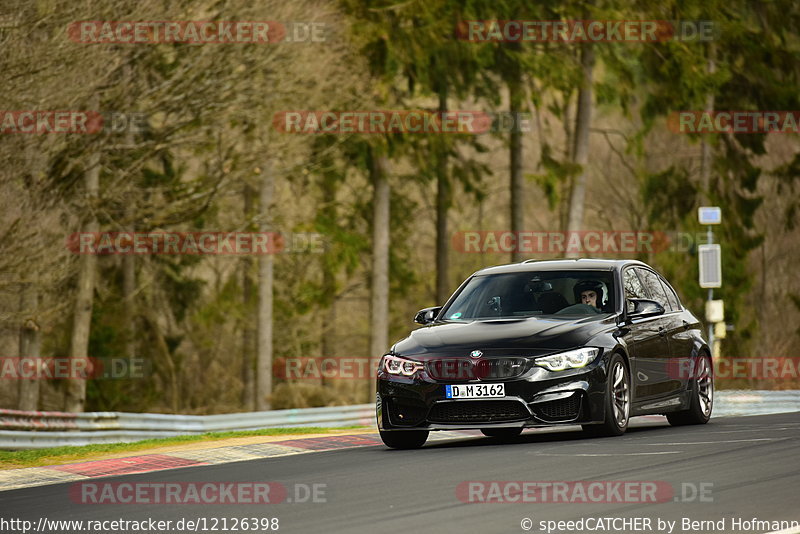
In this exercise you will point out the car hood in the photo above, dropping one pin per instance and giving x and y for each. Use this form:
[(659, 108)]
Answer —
[(523, 336)]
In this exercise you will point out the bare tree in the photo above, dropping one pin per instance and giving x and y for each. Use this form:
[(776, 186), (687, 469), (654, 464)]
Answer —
[(249, 334), (265, 298), (580, 151), (379, 302), (444, 199), (29, 344), (75, 397), (517, 179)]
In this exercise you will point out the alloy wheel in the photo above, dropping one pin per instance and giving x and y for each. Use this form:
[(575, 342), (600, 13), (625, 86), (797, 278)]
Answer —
[(705, 386), (621, 394)]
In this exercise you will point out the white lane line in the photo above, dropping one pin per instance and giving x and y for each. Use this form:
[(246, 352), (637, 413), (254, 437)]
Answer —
[(34, 476), (715, 442), (611, 454), (766, 428)]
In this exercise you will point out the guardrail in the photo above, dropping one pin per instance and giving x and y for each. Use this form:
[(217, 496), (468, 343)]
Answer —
[(37, 430)]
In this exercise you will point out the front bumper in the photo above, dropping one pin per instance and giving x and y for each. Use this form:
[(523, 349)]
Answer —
[(537, 398)]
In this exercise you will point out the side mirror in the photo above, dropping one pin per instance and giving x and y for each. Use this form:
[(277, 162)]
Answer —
[(643, 308), (427, 315)]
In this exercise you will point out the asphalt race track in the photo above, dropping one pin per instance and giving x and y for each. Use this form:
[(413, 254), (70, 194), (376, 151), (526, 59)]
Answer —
[(733, 467)]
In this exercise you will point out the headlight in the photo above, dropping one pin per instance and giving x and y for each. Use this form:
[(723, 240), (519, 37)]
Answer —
[(400, 366), (572, 359)]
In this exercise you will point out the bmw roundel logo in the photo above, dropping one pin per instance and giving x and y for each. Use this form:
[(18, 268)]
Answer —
[(475, 354)]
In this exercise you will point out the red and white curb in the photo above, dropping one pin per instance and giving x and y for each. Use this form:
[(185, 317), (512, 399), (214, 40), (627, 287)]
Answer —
[(56, 474)]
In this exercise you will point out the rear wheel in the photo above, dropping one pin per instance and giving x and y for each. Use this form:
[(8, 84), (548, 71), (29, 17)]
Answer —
[(405, 439), (618, 401), (502, 433), (702, 402)]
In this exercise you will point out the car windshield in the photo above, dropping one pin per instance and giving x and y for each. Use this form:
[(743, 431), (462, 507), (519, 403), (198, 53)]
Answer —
[(533, 293)]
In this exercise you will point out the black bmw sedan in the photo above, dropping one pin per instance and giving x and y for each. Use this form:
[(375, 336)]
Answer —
[(565, 342)]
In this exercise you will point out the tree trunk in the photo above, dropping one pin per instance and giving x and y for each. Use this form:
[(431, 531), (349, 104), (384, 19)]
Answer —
[(580, 153), (129, 301), (327, 343), (30, 330), (29, 345), (10, 291), (162, 349), (515, 171), (705, 148), (248, 328), (443, 202), (129, 265), (265, 278), (75, 398), (379, 303), (565, 188)]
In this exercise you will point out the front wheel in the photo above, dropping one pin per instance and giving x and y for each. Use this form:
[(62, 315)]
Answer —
[(618, 400), (702, 401), (404, 439)]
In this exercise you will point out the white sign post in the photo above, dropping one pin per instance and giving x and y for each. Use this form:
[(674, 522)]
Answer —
[(709, 257)]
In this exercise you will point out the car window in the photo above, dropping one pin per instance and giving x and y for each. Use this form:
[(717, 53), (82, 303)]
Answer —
[(531, 293), (653, 286), (672, 298), (633, 286)]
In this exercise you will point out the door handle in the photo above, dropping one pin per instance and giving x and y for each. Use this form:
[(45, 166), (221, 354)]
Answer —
[(662, 331)]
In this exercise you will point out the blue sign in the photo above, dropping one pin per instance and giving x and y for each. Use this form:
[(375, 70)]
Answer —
[(709, 215)]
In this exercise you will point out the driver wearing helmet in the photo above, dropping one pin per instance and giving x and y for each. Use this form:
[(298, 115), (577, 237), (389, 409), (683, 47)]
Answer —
[(589, 292)]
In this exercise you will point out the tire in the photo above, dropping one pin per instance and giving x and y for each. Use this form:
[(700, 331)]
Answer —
[(702, 400), (502, 433), (617, 400), (404, 439)]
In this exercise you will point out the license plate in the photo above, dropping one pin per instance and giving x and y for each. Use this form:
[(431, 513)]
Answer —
[(475, 391)]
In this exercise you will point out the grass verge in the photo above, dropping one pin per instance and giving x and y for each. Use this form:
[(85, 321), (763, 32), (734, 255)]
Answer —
[(60, 455)]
